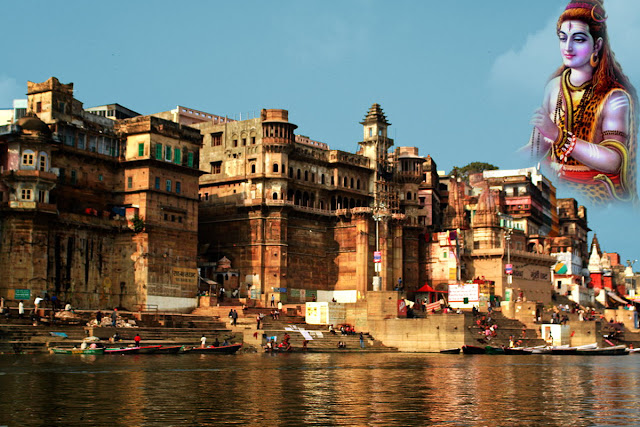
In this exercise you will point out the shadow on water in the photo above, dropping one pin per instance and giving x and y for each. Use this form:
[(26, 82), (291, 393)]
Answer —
[(319, 389)]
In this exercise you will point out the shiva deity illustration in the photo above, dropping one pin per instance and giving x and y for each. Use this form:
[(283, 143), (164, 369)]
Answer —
[(586, 129)]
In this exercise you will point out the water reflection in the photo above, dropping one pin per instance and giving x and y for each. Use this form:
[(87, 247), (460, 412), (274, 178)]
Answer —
[(319, 389)]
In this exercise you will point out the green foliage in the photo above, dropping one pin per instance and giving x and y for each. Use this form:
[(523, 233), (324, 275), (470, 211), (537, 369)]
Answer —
[(471, 168), (138, 224)]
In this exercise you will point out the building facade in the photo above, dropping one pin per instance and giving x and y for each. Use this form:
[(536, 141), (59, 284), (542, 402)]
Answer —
[(99, 212)]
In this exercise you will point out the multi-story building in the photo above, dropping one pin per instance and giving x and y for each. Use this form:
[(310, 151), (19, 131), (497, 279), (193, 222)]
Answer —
[(98, 212), (292, 216)]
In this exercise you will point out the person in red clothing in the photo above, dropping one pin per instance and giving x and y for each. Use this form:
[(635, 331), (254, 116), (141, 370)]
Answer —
[(137, 340)]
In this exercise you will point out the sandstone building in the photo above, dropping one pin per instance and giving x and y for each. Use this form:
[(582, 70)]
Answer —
[(98, 212)]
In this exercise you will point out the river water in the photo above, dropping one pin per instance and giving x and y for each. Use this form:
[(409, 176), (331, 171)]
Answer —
[(319, 389)]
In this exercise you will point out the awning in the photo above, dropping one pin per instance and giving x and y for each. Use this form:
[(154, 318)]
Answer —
[(427, 288), (616, 298), (208, 281)]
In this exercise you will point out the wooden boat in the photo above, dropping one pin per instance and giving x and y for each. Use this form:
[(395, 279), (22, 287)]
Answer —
[(494, 350), (124, 350), (472, 349), (224, 349), (616, 350), (543, 349), (517, 350), (633, 350), (173, 349), (566, 350), (57, 350), (148, 349), (450, 351)]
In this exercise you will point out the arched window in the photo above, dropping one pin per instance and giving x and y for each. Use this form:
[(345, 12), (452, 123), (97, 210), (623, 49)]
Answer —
[(275, 168), (322, 179), (290, 172), (351, 186), (358, 184), (409, 196), (306, 175), (28, 160), (253, 168), (274, 196), (299, 174), (344, 181)]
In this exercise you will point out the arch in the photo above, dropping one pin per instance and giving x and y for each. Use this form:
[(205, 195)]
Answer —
[(275, 168), (352, 203), (322, 179), (290, 195), (344, 181), (253, 168), (298, 198), (409, 195), (290, 172), (298, 174), (358, 184), (274, 196), (305, 199), (333, 203), (321, 204), (351, 186), (306, 175)]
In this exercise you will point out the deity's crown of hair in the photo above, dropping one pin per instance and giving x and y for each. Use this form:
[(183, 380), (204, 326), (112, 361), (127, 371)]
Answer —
[(595, 6)]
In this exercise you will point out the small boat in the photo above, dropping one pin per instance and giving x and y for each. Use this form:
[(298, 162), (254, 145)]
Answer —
[(616, 350), (633, 350), (148, 349), (123, 350), (566, 350), (494, 350), (450, 351), (472, 349), (542, 349), (57, 350), (517, 350), (173, 349), (224, 349)]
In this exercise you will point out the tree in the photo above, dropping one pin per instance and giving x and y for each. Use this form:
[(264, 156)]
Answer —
[(137, 223), (471, 168)]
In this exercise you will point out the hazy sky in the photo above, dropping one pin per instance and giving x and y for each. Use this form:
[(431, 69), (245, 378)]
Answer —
[(459, 80)]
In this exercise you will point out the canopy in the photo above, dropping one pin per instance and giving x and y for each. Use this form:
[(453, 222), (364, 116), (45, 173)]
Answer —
[(617, 298), (427, 288)]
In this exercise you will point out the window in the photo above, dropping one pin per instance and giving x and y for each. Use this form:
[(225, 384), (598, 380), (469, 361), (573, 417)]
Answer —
[(445, 254), (253, 168), (177, 156), (43, 162), (244, 142), (100, 178), (370, 132), (159, 151), (27, 158), (216, 139), (129, 182), (235, 142), (275, 167), (42, 196), (157, 184), (69, 137), (81, 141), (61, 175), (178, 187), (253, 140), (167, 153), (74, 177), (168, 185), (38, 107), (190, 159), (25, 194), (141, 149), (92, 143), (216, 167), (206, 196)]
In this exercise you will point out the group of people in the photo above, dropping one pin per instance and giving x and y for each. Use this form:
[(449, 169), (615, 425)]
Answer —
[(233, 315), (488, 329), (285, 345), (216, 342)]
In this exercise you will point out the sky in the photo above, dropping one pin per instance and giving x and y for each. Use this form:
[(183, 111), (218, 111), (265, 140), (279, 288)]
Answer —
[(459, 80)]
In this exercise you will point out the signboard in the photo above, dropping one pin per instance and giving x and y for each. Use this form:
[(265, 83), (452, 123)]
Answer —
[(22, 294), (184, 276), (508, 268), (458, 293), (402, 308), (377, 257)]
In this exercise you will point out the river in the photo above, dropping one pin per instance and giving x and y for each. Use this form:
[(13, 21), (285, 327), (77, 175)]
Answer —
[(383, 389)]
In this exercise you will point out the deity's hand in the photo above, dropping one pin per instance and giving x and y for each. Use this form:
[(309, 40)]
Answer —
[(544, 124)]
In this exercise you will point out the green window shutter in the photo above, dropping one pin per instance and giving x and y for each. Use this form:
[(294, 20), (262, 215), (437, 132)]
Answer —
[(190, 159), (141, 149), (159, 151), (177, 156)]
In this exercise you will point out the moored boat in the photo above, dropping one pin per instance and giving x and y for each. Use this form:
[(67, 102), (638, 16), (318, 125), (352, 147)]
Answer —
[(173, 349), (450, 351), (472, 349), (57, 350), (148, 349), (517, 350), (616, 350), (494, 350), (123, 350), (224, 349)]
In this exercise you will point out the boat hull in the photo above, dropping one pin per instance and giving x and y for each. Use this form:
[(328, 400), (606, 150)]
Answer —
[(56, 350), (125, 350), (472, 349), (226, 349), (450, 351)]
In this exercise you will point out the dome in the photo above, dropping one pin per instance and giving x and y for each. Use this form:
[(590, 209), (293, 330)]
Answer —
[(33, 123)]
